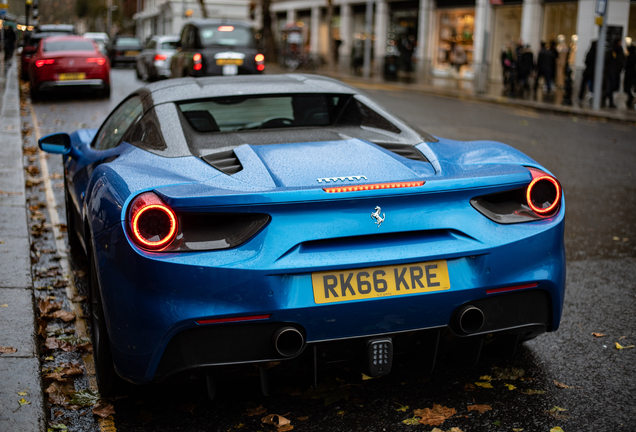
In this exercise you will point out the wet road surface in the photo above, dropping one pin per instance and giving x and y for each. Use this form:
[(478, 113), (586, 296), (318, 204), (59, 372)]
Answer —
[(585, 375)]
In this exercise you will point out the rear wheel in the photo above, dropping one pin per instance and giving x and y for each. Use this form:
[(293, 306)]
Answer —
[(71, 224), (139, 76), (35, 95), (109, 383), (106, 91)]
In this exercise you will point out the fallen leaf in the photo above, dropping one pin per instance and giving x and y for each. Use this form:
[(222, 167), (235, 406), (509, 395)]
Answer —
[(85, 398), (48, 306), (24, 402), (259, 410), (479, 408), (411, 421), (59, 392), (598, 335), (620, 347), (434, 416), (275, 420), (510, 386), (556, 411), (63, 315), (64, 371), (60, 427), (402, 408), (556, 429), (4, 305), (469, 387), (285, 428), (533, 392), (60, 283), (104, 409), (497, 423), (561, 385), (517, 429), (23, 393), (7, 350), (485, 378), (511, 373), (366, 377), (484, 384)]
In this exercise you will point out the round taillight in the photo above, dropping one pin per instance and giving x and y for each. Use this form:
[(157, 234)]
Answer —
[(543, 193), (259, 57), (152, 222), (196, 57)]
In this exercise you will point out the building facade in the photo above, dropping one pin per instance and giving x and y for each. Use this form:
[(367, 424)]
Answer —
[(459, 39), (167, 17)]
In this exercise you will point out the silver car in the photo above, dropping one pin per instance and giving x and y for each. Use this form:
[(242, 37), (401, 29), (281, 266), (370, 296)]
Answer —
[(154, 61)]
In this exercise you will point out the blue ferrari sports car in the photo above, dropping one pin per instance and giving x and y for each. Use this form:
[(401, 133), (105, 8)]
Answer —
[(255, 219)]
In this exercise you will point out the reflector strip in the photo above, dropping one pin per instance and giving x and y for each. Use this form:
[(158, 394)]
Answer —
[(233, 319), (226, 28), (512, 288), (375, 186)]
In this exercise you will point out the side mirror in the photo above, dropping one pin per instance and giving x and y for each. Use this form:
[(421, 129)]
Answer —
[(57, 143)]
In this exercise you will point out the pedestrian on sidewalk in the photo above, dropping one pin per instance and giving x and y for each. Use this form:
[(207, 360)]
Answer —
[(545, 61), (9, 43), (629, 81), (587, 81), (525, 65), (614, 63)]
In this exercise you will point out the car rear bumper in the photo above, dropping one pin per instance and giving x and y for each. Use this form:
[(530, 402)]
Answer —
[(92, 83), (153, 300)]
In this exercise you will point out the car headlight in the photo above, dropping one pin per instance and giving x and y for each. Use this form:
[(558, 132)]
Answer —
[(541, 199)]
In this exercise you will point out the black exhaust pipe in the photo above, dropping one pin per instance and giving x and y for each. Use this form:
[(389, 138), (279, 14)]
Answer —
[(470, 319), (288, 341)]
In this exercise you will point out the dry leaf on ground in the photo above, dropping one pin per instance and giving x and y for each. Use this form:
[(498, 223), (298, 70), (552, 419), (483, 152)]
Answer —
[(7, 350), (63, 315), (598, 335), (47, 306), (479, 408), (104, 409), (275, 420), (434, 416), (259, 410)]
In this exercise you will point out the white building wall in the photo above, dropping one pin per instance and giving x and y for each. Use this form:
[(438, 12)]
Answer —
[(531, 23)]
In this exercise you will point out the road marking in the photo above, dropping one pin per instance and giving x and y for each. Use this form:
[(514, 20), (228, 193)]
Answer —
[(81, 329)]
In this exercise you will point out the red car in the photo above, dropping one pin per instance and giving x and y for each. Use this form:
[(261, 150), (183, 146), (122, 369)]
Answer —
[(68, 61)]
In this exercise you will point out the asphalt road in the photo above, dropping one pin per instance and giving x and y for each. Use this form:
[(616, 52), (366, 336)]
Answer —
[(593, 160)]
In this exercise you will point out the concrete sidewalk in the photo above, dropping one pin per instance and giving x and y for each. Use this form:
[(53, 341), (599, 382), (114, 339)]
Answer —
[(464, 89), (19, 371)]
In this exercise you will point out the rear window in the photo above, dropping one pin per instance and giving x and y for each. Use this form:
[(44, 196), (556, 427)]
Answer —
[(70, 45), (131, 42), (227, 35), (169, 45), (281, 111)]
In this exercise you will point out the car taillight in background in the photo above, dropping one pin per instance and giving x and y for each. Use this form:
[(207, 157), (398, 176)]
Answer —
[(40, 63), (99, 60), (153, 223), (260, 62), (160, 57), (198, 62), (541, 199)]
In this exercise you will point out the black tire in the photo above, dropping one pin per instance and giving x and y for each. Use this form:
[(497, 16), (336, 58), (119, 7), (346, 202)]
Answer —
[(139, 76), (35, 95), (105, 93), (71, 225), (109, 383)]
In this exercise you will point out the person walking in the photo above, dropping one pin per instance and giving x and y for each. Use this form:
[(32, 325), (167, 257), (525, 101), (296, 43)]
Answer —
[(545, 61), (587, 81), (9, 43), (614, 63), (525, 66), (629, 81)]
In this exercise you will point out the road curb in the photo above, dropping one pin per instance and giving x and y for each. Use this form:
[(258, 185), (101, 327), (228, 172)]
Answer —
[(19, 371)]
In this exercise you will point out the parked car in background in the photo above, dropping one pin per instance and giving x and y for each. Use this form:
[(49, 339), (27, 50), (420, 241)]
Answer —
[(217, 47), (154, 61), (29, 48), (68, 61), (123, 49), (101, 39)]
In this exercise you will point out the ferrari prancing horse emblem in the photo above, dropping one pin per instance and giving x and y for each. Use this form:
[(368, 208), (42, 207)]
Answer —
[(376, 216)]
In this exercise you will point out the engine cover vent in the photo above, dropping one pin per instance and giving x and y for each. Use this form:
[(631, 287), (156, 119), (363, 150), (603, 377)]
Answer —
[(404, 150), (225, 161)]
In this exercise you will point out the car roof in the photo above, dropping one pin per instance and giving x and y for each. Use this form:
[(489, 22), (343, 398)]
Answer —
[(166, 37), (55, 28), (184, 89)]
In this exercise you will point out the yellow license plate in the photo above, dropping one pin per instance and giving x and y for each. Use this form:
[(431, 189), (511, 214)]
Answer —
[(131, 53), (72, 76), (225, 62), (374, 282)]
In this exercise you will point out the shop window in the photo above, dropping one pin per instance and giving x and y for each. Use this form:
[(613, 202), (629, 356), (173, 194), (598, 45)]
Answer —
[(455, 41), (559, 19)]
